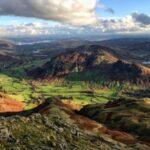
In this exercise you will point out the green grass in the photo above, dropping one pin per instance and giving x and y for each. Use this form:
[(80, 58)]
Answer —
[(19, 89), (19, 71), (78, 92), (81, 88)]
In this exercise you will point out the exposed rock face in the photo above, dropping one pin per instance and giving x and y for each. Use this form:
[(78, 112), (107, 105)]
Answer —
[(8, 104)]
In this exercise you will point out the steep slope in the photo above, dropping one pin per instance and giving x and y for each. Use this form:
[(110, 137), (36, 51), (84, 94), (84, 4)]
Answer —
[(76, 60), (6, 44), (138, 48), (8, 104), (106, 61), (123, 71), (51, 126), (8, 55), (128, 115)]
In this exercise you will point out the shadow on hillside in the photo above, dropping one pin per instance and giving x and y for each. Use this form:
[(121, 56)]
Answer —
[(117, 72), (19, 74), (39, 109), (139, 93), (96, 74)]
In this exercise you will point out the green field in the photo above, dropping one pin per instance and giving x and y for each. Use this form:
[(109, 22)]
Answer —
[(78, 92), (14, 87), (82, 89)]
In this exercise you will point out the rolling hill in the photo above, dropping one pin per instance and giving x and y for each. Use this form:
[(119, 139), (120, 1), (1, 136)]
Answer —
[(138, 48), (77, 96), (108, 62)]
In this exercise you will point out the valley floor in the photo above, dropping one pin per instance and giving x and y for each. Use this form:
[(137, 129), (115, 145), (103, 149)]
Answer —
[(101, 103)]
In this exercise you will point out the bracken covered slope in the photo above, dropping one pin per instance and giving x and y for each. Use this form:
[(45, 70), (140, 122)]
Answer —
[(106, 61), (8, 104), (128, 115), (49, 126)]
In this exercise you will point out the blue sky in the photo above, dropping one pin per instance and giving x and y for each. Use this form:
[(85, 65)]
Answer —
[(125, 7), (12, 20), (121, 8), (74, 17)]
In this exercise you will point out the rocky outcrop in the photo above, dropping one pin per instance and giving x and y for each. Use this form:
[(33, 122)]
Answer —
[(51, 127)]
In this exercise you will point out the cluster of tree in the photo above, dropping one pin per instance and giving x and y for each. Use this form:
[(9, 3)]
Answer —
[(125, 72)]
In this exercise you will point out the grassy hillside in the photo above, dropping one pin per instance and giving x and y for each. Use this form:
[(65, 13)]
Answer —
[(89, 85), (48, 94)]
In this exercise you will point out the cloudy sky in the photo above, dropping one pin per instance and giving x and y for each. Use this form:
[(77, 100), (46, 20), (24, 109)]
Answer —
[(74, 17)]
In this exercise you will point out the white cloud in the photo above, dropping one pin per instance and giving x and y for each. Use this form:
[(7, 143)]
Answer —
[(2, 32), (126, 24), (24, 29), (76, 12), (80, 13), (123, 25)]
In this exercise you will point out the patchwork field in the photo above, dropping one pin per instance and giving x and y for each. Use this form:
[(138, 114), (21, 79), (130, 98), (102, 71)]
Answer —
[(83, 95), (78, 92)]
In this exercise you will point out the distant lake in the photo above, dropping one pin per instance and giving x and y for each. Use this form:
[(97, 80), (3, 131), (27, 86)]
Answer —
[(146, 62)]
